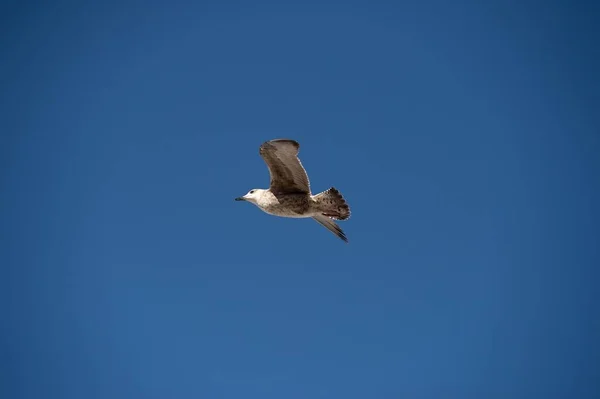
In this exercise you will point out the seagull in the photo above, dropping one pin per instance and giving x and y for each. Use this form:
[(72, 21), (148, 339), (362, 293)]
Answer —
[(289, 192)]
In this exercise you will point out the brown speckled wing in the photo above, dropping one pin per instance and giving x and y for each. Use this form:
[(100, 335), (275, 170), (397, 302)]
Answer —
[(287, 173)]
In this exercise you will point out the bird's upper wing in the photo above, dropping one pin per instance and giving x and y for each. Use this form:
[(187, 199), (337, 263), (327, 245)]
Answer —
[(331, 226), (287, 173)]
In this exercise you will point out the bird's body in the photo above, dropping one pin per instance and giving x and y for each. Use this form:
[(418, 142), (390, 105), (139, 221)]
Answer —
[(287, 205), (289, 193)]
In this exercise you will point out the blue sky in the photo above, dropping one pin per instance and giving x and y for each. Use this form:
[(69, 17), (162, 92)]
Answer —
[(464, 136)]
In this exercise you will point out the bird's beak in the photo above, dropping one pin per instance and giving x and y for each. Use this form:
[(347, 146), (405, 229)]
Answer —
[(240, 199)]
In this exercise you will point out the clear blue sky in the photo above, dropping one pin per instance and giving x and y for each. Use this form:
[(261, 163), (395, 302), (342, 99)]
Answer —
[(464, 135)]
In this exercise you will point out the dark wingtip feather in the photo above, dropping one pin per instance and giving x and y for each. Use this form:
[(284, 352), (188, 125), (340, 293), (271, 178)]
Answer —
[(342, 235), (294, 142), (271, 144), (330, 225)]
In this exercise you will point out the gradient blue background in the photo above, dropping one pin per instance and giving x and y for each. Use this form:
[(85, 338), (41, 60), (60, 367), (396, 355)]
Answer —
[(463, 134)]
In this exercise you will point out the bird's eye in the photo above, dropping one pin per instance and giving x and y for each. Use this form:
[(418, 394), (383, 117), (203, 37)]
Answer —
[(251, 191)]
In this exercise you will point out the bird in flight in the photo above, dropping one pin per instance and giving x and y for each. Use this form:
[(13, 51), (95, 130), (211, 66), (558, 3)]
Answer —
[(289, 192)]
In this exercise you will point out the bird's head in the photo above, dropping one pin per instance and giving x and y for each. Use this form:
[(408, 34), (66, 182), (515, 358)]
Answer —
[(252, 196)]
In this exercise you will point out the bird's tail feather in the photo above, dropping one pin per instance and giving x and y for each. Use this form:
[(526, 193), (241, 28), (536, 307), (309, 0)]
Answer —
[(331, 203)]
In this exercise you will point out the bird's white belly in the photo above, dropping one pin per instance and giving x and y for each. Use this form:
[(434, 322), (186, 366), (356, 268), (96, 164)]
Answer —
[(287, 206), (286, 213)]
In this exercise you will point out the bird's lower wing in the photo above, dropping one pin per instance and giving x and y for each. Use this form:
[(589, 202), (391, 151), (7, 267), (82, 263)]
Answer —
[(330, 225)]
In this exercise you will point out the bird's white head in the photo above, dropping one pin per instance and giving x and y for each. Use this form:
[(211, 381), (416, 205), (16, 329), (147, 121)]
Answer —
[(252, 196)]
